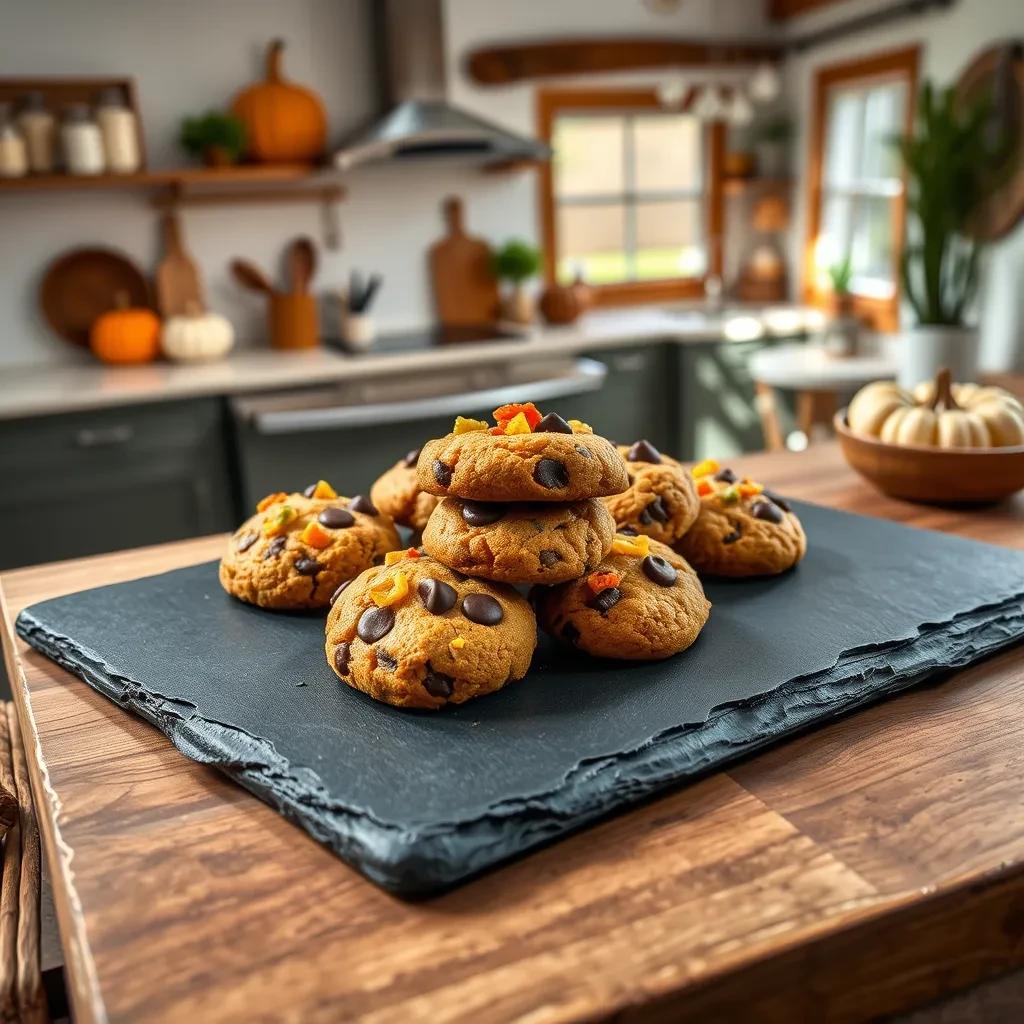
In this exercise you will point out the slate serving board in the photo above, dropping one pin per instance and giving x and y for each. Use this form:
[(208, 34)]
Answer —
[(420, 801)]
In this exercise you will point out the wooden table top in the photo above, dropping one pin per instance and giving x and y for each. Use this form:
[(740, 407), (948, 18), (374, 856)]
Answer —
[(862, 868)]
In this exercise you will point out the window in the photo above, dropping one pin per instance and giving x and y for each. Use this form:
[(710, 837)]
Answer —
[(857, 200), (632, 198)]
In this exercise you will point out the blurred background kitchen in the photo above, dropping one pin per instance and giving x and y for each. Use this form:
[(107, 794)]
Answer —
[(251, 243)]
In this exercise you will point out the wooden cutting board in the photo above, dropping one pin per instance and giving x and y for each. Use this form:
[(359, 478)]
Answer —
[(465, 288), (179, 291)]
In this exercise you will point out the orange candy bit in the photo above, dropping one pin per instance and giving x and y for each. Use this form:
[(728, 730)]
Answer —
[(457, 644), (277, 523), (390, 590), (598, 581), (748, 489), (270, 499), (624, 544), (315, 535), (704, 488), (579, 427), (396, 556), (518, 425), (497, 431), (705, 468), (505, 413), (465, 425), (324, 490)]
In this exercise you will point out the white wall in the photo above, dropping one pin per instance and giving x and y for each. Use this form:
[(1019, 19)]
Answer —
[(949, 40)]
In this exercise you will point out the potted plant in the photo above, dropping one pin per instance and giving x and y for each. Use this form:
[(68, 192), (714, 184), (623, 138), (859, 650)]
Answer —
[(217, 139), (840, 275), (947, 156), (516, 262), (771, 146)]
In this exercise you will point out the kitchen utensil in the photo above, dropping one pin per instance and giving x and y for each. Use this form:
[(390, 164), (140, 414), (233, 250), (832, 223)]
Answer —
[(80, 285), (465, 288), (939, 476), (301, 264), (179, 290), (248, 275), (293, 321), (359, 296), (874, 608)]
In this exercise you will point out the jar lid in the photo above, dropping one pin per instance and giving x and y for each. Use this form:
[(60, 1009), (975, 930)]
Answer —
[(76, 113), (33, 100), (110, 96)]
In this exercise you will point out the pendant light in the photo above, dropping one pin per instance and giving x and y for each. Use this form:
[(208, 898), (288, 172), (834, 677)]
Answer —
[(765, 85)]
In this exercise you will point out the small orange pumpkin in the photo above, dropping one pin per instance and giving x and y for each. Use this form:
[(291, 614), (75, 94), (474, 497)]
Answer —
[(284, 122), (126, 335)]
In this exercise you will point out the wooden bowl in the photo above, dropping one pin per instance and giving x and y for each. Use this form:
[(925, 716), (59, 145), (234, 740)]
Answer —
[(937, 476)]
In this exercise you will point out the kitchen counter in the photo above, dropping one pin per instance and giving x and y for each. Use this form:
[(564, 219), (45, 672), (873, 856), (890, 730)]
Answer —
[(853, 872), (47, 389)]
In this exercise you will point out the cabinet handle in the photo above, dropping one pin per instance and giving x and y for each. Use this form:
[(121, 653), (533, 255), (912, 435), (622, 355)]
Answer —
[(104, 437)]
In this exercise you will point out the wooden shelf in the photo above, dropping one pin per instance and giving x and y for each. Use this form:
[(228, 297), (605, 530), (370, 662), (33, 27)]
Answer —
[(741, 186)]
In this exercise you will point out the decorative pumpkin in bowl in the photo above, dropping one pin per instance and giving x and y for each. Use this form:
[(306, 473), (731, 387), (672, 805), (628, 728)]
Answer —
[(945, 443)]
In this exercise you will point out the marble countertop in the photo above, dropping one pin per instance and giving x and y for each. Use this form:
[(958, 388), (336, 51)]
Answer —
[(40, 390)]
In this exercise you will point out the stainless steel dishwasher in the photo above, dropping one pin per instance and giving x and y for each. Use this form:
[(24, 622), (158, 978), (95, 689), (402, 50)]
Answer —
[(350, 432)]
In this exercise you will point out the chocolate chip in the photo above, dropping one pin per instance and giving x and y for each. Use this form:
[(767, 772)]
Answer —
[(275, 548), (781, 502), (481, 513), (657, 511), (336, 518), (375, 623), (731, 538), (482, 609), (442, 472), (629, 531), (247, 540), (361, 503), (384, 659), (570, 633), (438, 685), (726, 475), (411, 458), (605, 601), (659, 570), (585, 453), (307, 566), (551, 473), (552, 424), (309, 491), (767, 510), (548, 558), (643, 451), (337, 593), (436, 595), (342, 653)]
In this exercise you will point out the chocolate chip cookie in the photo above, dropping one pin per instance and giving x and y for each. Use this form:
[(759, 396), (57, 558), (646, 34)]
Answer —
[(520, 543), (661, 500), (642, 603), (397, 494), (539, 465), (417, 634), (742, 529), (298, 548)]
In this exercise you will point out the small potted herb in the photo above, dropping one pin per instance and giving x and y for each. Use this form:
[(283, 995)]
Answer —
[(771, 145), (840, 276), (217, 139), (516, 262)]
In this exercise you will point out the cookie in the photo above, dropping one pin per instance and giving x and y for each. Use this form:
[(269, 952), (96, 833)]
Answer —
[(742, 529), (661, 501), (532, 543), (397, 494), (417, 634), (526, 458), (298, 548), (642, 603)]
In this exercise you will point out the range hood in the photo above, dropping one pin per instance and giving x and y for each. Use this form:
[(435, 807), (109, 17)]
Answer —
[(418, 120)]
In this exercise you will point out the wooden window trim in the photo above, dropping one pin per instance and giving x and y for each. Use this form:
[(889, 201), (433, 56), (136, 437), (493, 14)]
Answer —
[(551, 102), (783, 10), (882, 314)]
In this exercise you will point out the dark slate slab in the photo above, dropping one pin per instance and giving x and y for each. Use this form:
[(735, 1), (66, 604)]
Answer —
[(420, 801)]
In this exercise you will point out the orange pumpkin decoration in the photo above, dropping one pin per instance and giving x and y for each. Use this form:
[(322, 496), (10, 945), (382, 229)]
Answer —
[(284, 122), (126, 335)]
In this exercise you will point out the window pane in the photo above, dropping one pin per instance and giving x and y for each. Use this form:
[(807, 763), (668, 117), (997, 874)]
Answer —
[(592, 240), (834, 238), (588, 155), (871, 248), (883, 118), (670, 240), (667, 152), (842, 138)]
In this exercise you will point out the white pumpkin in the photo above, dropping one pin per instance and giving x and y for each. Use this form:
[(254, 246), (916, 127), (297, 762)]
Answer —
[(938, 413), (197, 337)]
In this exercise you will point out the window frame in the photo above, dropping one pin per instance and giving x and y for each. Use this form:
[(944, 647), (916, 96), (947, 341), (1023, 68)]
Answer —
[(895, 65), (553, 102)]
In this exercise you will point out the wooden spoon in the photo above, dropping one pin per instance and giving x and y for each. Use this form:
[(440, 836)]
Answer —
[(177, 277), (302, 264), (248, 275)]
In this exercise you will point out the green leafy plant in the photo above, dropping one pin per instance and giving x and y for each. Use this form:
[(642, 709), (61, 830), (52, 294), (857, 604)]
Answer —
[(516, 261), (778, 129), (948, 157), (840, 275), (214, 137)]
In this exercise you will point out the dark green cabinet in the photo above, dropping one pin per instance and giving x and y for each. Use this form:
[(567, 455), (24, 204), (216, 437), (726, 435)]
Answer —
[(87, 482)]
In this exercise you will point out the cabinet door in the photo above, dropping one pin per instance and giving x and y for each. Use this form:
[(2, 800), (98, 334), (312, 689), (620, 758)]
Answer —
[(83, 483)]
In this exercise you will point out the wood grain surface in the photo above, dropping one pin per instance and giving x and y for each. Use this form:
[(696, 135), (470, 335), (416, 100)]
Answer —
[(858, 870)]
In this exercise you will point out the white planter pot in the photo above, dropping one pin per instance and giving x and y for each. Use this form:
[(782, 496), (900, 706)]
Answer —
[(925, 350), (358, 329)]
